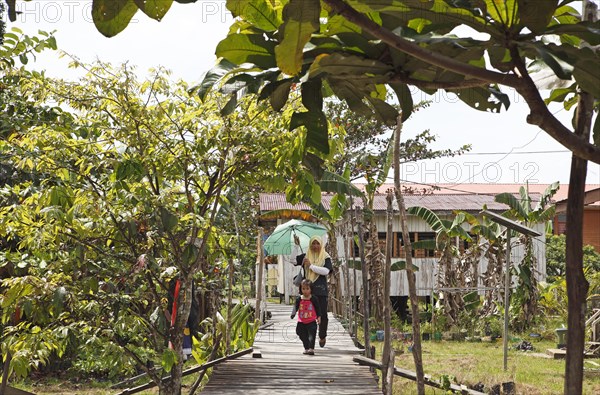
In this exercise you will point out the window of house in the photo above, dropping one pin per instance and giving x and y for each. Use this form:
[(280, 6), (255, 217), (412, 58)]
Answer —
[(398, 249), (425, 253), (561, 224)]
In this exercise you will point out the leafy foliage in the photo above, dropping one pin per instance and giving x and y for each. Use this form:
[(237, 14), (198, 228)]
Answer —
[(364, 49), (122, 194), (556, 258)]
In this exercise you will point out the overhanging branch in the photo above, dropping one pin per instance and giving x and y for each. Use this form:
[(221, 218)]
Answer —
[(433, 58), (465, 84), (540, 115)]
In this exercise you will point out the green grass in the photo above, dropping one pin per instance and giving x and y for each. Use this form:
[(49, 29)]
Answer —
[(472, 363)]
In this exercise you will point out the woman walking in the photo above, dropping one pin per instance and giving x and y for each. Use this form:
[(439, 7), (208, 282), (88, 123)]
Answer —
[(317, 265)]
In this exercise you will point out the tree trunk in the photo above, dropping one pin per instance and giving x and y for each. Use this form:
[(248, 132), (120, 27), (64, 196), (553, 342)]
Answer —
[(386, 361), (577, 285), (365, 286), (259, 273), (347, 296), (410, 274), (335, 292), (229, 307), (374, 258), (184, 304)]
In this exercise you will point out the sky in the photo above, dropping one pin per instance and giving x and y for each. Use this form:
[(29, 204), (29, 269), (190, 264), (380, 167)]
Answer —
[(505, 149)]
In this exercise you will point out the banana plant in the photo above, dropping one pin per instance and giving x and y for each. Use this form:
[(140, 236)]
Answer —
[(448, 234), (490, 241), (521, 209)]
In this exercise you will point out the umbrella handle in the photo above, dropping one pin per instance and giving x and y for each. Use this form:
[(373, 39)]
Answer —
[(297, 242)]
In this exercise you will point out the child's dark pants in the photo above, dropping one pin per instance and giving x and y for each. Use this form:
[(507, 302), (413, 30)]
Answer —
[(307, 333)]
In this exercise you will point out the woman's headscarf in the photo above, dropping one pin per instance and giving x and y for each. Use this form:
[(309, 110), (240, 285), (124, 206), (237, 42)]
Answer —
[(314, 258)]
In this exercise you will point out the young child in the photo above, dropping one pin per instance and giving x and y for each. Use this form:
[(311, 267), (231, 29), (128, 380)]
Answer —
[(309, 316)]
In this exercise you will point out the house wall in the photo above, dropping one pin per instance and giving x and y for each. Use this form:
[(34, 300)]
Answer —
[(425, 277), (591, 227)]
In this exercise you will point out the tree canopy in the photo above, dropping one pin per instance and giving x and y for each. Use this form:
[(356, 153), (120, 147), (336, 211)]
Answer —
[(122, 184)]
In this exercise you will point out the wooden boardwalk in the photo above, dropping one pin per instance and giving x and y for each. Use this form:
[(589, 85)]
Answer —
[(283, 369)]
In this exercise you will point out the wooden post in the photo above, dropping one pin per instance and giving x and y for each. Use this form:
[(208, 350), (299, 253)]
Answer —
[(372, 352), (387, 318), (5, 370), (389, 378), (260, 256), (229, 307), (354, 287), (348, 299), (507, 281), (365, 286), (410, 274)]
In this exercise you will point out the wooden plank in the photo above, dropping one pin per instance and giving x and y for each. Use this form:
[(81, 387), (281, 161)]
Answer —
[(195, 369), (15, 391), (283, 369)]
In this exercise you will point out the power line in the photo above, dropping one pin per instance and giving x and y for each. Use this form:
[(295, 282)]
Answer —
[(517, 153)]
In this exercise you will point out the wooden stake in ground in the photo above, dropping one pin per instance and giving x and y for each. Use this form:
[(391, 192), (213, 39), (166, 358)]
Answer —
[(259, 273), (387, 359), (410, 274), (365, 284)]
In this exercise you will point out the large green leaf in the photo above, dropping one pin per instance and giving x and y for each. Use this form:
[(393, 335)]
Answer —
[(502, 11), (587, 31), (480, 98), (549, 192), (500, 58), (339, 64), (241, 81), (430, 244), (437, 12), (247, 48), (277, 92), (384, 112), (301, 19), (404, 98), (155, 9), (428, 216), (536, 15), (401, 265), (112, 16), (587, 75), (490, 233), (213, 76), (312, 95), (169, 220), (549, 55), (560, 94), (512, 202), (261, 13), (316, 129), (346, 90), (334, 183)]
